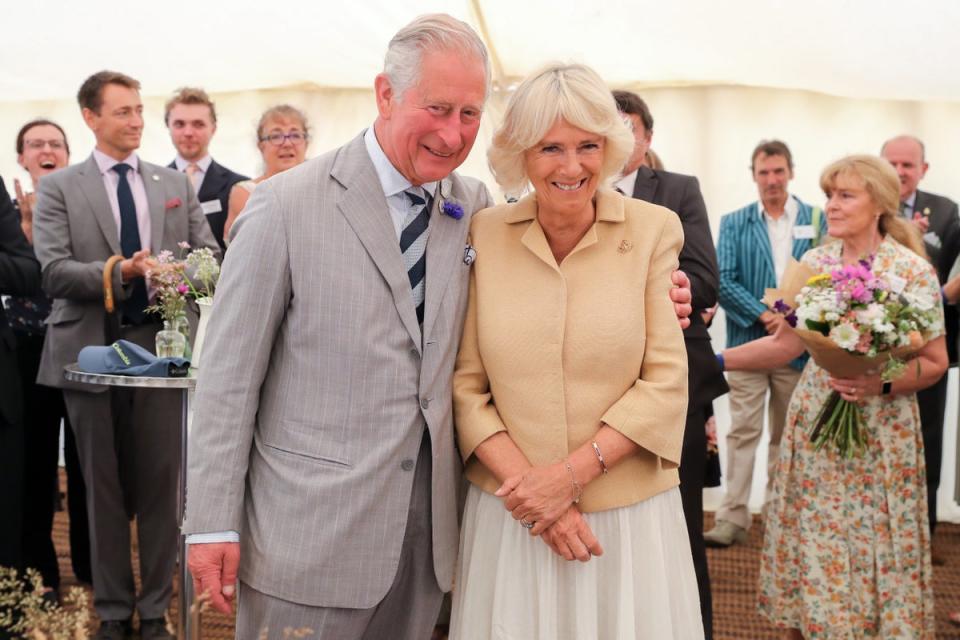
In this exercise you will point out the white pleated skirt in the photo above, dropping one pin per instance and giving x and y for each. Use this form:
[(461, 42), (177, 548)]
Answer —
[(512, 586)]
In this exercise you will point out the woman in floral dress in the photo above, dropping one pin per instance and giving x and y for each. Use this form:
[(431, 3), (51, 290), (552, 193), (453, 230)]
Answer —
[(847, 549)]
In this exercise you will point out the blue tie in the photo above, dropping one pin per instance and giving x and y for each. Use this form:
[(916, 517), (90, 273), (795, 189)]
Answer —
[(134, 306), (413, 245)]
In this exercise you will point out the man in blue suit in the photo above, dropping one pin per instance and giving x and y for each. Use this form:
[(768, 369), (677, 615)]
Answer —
[(753, 249)]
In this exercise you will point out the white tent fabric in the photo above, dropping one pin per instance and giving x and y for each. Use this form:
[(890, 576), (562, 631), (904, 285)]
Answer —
[(830, 77)]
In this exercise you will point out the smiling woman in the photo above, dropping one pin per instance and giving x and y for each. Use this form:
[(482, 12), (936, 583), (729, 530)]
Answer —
[(282, 137), (570, 388)]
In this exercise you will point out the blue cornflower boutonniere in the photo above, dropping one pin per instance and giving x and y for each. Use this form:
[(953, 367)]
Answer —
[(449, 206)]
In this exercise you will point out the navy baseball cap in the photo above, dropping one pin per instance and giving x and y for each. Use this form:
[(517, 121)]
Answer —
[(124, 358)]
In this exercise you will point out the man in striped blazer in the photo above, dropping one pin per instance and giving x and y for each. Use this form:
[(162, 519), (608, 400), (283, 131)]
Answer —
[(753, 249)]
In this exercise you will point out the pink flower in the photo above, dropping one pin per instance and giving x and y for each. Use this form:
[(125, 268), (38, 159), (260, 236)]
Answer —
[(172, 203), (183, 245), (182, 288)]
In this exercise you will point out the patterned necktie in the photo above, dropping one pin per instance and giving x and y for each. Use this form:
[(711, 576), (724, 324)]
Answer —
[(413, 245), (134, 306), (193, 172)]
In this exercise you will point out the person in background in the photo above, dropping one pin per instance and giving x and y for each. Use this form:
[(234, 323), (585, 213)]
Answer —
[(114, 203), (20, 276), (754, 246), (42, 148), (191, 118), (846, 549), (282, 137), (936, 217), (698, 259)]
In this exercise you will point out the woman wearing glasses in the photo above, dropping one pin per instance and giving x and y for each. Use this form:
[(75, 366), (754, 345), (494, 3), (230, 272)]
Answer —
[(42, 148), (282, 137)]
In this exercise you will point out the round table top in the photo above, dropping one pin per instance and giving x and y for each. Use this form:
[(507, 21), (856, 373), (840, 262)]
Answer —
[(73, 373)]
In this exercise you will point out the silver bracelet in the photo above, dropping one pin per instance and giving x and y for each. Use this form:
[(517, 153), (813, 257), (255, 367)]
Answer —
[(577, 488), (603, 464)]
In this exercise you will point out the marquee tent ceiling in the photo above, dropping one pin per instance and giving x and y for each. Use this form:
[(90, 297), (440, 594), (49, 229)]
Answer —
[(854, 48)]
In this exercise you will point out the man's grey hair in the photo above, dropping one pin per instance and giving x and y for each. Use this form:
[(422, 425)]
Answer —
[(430, 32), (923, 148)]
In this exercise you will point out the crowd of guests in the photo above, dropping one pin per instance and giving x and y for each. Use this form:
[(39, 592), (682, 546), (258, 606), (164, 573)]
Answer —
[(546, 332)]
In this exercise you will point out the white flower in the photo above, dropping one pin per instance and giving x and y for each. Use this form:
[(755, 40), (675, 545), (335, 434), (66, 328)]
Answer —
[(845, 336)]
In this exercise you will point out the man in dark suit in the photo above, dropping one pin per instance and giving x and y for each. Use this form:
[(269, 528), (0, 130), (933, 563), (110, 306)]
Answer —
[(128, 439), (192, 120), (937, 218), (19, 275), (698, 260)]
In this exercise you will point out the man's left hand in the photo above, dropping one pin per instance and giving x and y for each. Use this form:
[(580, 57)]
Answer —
[(681, 297)]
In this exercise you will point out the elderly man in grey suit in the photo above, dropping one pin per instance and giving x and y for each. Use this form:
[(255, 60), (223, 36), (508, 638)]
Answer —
[(322, 437), (128, 440), (322, 459)]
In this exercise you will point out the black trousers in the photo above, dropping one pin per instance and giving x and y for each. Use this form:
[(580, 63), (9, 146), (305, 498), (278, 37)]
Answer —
[(693, 462), (933, 405), (43, 410)]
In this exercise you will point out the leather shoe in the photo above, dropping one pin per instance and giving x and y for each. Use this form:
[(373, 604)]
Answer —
[(724, 534), (115, 630), (155, 629)]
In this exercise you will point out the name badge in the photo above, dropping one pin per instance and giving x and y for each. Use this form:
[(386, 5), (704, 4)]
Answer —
[(211, 206), (803, 232), (897, 283)]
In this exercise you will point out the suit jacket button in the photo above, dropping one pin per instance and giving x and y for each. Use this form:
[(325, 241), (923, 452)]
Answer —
[(424, 403), (407, 465)]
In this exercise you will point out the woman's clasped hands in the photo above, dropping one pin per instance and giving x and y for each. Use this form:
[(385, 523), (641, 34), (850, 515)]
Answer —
[(543, 499)]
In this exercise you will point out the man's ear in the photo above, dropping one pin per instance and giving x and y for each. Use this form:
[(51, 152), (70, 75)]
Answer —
[(386, 100), (89, 117)]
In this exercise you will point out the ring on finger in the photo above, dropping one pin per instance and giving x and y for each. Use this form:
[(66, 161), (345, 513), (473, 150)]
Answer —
[(526, 524)]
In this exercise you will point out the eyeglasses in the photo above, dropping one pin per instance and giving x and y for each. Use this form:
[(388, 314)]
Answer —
[(279, 138), (56, 145)]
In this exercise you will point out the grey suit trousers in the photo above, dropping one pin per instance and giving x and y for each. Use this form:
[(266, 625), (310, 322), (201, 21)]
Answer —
[(128, 441), (407, 612)]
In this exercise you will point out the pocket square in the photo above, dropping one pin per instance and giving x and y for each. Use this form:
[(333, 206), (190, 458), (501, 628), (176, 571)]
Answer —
[(173, 203), (469, 255)]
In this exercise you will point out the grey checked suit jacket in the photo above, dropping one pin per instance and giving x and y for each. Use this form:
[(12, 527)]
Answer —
[(316, 385), (75, 233)]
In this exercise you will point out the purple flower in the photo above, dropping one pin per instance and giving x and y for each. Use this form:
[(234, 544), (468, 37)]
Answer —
[(781, 307), (451, 208)]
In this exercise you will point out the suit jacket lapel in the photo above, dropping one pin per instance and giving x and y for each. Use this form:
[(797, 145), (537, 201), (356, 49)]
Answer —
[(212, 182), (91, 183), (153, 185), (365, 208), (443, 248), (804, 217), (646, 185)]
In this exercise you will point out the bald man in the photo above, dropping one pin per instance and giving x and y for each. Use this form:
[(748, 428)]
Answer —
[(937, 218)]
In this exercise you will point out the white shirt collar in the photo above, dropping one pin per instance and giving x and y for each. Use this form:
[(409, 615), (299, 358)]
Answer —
[(912, 200), (391, 180), (628, 182), (106, 163), (204, 163), (790, 209)]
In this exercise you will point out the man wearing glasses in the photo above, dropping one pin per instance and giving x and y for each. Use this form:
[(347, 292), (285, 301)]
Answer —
[(191, 118)]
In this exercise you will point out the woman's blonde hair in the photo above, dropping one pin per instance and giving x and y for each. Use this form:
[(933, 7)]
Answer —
[(883, 185), (572, 92)]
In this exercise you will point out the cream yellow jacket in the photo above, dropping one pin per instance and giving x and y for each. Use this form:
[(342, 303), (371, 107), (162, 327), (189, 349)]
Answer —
[(549, 352)]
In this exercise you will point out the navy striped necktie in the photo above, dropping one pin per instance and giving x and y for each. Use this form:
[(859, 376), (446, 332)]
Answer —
[(134, 306), (413, 244)]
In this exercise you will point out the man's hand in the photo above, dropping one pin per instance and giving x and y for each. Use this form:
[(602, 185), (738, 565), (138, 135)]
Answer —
[(922, 221), (771, 321), (571, 537), (681, 297), (214, 569), (137, 265)]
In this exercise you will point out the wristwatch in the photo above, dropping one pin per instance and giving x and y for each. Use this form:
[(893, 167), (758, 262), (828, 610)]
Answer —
[(886, 389)]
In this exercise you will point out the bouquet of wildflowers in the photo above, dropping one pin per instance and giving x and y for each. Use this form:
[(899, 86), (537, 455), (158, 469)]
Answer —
[(170, 286), (173, 285), (854, 321)]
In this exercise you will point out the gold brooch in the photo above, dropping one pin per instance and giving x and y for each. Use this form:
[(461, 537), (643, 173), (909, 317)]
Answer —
[(625, 246)]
